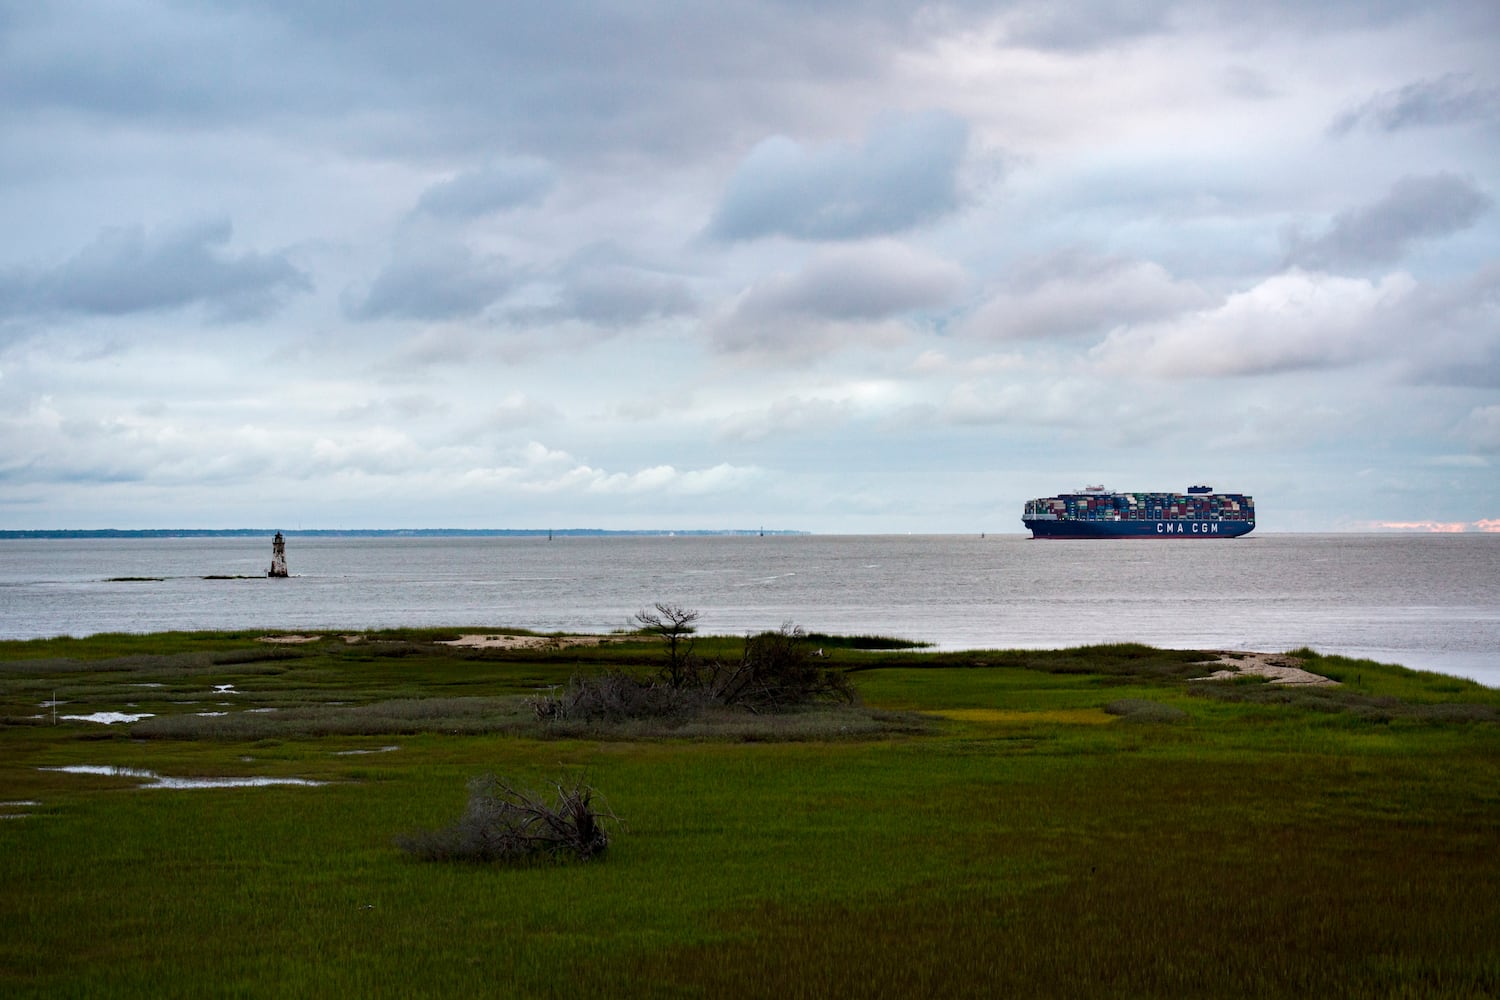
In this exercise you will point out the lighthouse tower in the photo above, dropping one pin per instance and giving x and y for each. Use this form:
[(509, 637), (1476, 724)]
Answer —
[(278, 556)]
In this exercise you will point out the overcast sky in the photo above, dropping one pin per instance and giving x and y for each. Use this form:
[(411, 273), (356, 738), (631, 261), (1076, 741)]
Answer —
[(851, 266)]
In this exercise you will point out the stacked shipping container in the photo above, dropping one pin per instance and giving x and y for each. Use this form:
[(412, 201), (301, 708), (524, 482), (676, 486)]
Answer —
[(1198, 511)]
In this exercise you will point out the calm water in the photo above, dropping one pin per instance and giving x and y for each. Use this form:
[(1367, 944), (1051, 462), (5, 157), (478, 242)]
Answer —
[(1427, 601)]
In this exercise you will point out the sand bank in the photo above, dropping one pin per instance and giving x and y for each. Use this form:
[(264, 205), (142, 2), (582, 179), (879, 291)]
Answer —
[(1279, 669), (528, 641)]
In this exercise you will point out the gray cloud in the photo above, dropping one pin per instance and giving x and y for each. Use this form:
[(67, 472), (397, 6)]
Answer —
[(1482, 429), (401, 149), (1074, 293), (605, 286), (1085, 24), (433, 282), (1460, 324), (905, 174), (127, 270), (843, 295), (491, 188), (622, 296), (1452, 99), (1416, 208)]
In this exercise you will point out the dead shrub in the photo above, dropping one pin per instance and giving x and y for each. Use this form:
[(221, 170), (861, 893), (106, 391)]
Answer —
[(503, 823), (776, 671), (614, 696)]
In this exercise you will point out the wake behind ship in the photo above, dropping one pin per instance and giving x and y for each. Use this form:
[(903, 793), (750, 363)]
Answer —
[(1095, 512)]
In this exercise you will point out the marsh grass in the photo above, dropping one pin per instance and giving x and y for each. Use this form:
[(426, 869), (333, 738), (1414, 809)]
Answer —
[(1356, 704), (413, 715), (1268, 849), (1144, 710), (829, 642)]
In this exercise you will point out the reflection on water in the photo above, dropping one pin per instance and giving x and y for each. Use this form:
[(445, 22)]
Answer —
[(108, 718), (151, 779), (5, 808)]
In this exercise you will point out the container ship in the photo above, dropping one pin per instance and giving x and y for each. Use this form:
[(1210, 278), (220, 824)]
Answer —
[(1095, 512)]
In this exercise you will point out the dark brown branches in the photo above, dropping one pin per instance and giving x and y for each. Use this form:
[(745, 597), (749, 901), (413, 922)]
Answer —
[(676, 625), (507, 824), (776, 670)]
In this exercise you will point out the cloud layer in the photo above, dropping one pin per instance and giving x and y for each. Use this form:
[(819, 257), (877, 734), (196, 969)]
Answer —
[(845, 267)]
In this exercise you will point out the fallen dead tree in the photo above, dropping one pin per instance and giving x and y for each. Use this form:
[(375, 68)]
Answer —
[(503, 823)]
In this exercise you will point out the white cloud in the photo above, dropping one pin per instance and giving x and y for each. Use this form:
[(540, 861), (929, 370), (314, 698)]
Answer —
[(791, 416), (1291, 321)]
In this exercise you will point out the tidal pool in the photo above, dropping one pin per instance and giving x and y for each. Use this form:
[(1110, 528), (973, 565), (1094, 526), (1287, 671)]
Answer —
[(108, 718), (153, 780)]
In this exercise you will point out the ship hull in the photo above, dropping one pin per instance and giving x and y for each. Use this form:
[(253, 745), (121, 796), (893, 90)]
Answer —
[(1166, 528)]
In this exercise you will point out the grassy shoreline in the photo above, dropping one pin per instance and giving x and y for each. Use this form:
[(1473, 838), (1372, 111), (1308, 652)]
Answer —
[(1037, 823)]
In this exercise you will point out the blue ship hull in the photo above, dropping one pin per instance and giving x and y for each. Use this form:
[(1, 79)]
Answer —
[(1166, 528)]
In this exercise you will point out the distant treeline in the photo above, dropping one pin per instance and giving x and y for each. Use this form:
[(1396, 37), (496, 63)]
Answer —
[(372, 532)]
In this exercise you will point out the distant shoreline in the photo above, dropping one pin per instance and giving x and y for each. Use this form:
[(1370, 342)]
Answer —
[(65, 533)]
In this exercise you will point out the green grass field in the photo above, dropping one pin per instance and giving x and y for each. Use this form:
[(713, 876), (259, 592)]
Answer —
[(1035, 824)]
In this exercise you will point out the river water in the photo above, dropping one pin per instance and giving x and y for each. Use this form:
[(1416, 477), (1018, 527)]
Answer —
[(1426, 601)]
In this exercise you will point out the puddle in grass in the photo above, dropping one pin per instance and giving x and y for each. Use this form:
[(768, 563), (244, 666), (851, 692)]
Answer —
[(154, 780), (108, 718), (6, 807), (351, 753)]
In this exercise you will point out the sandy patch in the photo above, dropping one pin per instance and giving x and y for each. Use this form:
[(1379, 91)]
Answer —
[(289, 638), (1279, 669), (527, 641)]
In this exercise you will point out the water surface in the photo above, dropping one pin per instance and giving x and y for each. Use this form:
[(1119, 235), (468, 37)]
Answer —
[(1427, 601)]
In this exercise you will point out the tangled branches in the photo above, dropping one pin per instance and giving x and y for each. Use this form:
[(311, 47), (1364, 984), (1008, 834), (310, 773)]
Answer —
[(776, 671), (506, 824), (614, 696)]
